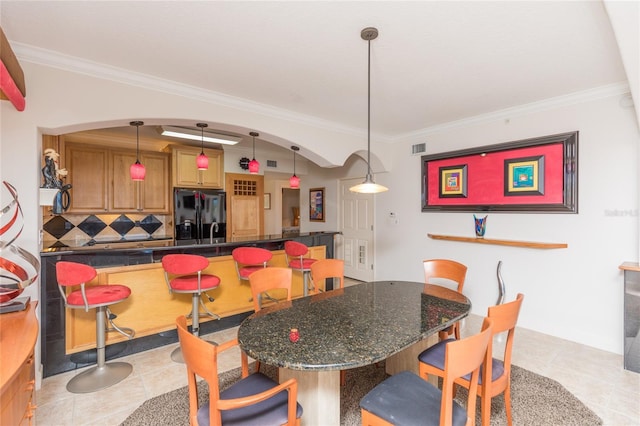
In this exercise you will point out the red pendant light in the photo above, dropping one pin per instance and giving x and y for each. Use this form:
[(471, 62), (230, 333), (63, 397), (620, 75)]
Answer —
[(202, 161), (137, 170), (254, 166), (294, 181)]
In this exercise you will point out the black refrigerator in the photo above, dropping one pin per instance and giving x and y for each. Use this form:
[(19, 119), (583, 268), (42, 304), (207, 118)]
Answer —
[(200, 215)]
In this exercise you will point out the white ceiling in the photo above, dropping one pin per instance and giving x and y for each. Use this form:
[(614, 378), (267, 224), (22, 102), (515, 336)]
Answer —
[(434, 62)]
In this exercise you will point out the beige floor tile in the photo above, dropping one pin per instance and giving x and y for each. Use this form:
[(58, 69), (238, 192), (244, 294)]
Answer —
[(596, 377)]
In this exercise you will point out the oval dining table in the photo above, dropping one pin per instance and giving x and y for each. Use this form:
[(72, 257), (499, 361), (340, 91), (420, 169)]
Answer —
[(348, 328)]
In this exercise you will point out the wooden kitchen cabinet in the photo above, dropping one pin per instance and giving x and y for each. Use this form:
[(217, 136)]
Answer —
[(101, 182), (187, 175), (18, 334), (88, 174), (150, 195)]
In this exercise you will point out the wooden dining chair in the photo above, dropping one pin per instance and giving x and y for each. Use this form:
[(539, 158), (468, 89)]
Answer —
[(496, 373), (407, 399), (324, 269), (254, 399), (268, 279), (451, 270), (321, 271)]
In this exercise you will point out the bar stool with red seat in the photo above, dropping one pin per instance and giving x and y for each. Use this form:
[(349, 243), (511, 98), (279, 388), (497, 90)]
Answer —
[(248, 260), (103, 375), (183, 274), (296, 259)]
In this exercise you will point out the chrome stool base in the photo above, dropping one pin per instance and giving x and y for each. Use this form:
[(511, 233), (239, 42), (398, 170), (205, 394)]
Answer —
[(176, 354), (98, 378)]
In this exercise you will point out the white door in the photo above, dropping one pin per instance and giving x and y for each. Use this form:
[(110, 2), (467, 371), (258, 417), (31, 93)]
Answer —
[(356, 225)]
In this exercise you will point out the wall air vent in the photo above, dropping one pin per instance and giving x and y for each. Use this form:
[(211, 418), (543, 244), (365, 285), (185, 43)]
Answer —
[(418, 148), (272, 163)]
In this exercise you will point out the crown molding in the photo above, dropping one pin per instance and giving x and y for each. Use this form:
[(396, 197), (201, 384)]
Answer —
[(36, 55), (49, 58), (615, 89)]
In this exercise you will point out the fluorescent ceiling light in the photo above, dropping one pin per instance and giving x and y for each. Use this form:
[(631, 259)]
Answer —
[(196, 135)]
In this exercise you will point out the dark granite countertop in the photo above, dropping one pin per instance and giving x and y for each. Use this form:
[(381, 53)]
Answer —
[(350, 327), (166, 243)]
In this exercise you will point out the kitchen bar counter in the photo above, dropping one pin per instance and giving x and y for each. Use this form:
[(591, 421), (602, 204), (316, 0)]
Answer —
[(68, 336), (166, 243)]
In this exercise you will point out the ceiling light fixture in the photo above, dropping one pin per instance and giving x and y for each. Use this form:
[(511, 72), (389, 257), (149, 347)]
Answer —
[(137, 170), (202, 161), (294, 181), (368, 186), (254, 166), (194, 135)]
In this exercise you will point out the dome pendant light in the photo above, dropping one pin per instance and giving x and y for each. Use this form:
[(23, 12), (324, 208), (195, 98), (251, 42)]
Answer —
[(202, 161), (368, 186), (254, 166), (294, 181), (137, 170)]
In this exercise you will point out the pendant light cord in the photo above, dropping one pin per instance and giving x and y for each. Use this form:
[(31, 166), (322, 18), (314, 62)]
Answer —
[(202, 140), (369, 110)]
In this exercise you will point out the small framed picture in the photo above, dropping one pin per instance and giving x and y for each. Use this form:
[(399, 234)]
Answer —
[(524, 176), (267, 201), (453, 181), (316, 205)]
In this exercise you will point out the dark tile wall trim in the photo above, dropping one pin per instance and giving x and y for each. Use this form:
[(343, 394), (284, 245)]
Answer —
[(72, 230)]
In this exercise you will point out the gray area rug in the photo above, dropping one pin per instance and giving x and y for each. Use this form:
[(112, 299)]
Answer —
[(536, 400)]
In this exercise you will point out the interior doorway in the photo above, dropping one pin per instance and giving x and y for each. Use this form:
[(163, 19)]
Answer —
[(290, 210), (356, 231)]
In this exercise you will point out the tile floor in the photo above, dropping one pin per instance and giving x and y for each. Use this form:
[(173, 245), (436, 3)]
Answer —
[(596, 377)]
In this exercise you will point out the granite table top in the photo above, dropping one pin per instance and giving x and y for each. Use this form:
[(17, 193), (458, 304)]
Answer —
[(351, 327)]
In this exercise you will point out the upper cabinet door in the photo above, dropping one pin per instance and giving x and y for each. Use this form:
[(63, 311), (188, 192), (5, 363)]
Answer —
[(88, 175), (187, 175), (150, 195), (155, 195), (123, 192)]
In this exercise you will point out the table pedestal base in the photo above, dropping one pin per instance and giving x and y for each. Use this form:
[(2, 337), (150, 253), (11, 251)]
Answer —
[(407, 359), (318, 393)]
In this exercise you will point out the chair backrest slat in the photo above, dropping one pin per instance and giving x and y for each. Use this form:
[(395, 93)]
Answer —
[(327, 268), (270, 278)]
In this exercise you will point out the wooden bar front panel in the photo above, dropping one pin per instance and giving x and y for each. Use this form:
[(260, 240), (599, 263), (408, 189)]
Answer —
[(151, 309)]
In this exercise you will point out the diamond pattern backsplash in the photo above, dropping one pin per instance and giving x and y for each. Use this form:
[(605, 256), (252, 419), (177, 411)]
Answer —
[(78, 230)]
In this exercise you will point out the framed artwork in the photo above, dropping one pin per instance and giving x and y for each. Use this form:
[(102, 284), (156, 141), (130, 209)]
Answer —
[(524, 176), (530, 175), (267, 201), (453, 181), (316, 205)]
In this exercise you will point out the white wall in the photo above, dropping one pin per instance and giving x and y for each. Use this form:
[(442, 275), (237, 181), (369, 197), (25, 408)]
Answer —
[(574, 293)]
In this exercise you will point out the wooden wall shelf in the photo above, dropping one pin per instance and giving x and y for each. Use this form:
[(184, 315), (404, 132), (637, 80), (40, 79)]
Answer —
[(512, 243)]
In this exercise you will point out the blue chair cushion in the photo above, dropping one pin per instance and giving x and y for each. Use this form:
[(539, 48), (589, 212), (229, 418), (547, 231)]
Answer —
[(272, 411), (406, 399), (434, 356)]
